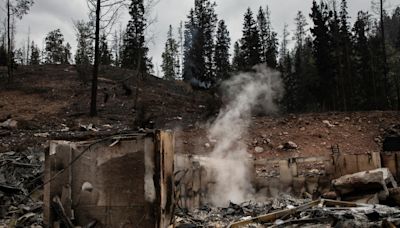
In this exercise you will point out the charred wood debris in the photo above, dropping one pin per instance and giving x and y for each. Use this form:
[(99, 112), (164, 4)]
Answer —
[(364, 199), (20, 194)]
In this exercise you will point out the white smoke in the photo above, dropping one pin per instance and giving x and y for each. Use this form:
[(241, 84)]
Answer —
[(230, 160)]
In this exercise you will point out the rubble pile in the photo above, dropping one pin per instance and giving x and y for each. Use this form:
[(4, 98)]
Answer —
[(319, 213), (208, 216), (20, 200)]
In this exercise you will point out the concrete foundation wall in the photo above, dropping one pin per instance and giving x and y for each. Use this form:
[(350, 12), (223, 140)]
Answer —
[(292, 176)]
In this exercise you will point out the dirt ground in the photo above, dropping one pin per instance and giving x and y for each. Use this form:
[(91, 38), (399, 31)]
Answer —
[(55, 99)]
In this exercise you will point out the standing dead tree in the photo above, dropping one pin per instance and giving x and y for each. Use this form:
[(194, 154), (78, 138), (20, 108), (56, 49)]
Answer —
[(105, 14), (378, 7), (16, 8)]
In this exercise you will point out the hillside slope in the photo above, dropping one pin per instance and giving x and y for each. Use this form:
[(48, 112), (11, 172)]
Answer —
[(54, 99)]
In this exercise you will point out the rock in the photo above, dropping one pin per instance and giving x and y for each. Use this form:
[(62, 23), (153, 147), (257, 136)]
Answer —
[(65, 129), (281, 147), (314, 172), (264, 136), (290, 146), (285, 133), (330, 195), (255, 142), (89, 127), (373, 181), (347, 118), (207, 145), (327, 123), (9, 124), (258, 149), (302, 129), (43, 135)]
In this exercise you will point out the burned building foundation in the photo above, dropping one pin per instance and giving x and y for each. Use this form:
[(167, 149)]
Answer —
[(309, 177)]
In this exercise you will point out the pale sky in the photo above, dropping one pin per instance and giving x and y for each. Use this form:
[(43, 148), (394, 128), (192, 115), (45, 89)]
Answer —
[(47, 15)]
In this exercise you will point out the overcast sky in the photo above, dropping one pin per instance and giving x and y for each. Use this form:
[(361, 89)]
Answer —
[(47, 15)]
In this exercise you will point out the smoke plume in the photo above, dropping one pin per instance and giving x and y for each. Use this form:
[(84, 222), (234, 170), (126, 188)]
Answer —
[(230, 161)]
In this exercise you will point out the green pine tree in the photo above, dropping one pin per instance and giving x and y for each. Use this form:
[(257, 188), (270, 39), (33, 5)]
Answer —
[(105, 54), (134, 48), (366, 92), (237, 60), (222, 65), (56, 52), (189, 66), (322, 53), (268, 38), (199, 44), (35, 55), (3, 55), (170, 57), (250, 42), (84, 52)]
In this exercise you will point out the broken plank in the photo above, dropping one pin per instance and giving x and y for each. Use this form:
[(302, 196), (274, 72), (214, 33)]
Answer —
[(327, 202), (275, 215)]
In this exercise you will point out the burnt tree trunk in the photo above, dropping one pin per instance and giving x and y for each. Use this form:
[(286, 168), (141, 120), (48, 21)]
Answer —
[(9, 55), (93, 104), (398, 91), (385, 65)]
